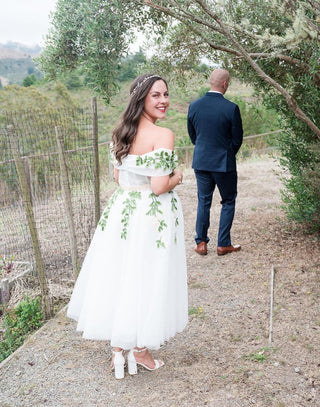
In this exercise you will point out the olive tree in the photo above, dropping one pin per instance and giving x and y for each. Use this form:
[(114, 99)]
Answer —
[(93, 34)]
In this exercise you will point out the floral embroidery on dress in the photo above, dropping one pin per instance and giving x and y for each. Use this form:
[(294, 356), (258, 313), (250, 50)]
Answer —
[(130, 205), (174, 209), (156, 211), (104, 217), (163, 159)]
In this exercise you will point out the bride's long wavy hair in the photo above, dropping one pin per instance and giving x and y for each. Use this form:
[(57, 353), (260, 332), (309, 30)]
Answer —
[(124, 134)]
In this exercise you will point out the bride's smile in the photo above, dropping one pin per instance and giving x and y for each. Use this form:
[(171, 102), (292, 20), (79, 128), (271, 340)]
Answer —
[(156, 102)]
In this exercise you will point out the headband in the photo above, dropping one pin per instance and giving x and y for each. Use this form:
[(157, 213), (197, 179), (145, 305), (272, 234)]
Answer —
[(139, 84)]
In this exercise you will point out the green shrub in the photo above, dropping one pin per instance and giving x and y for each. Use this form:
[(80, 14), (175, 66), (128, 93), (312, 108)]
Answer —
[(301, 197), (18, 323), (29, 80)]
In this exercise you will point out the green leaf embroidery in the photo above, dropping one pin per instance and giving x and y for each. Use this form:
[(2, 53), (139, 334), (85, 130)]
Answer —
[(162, 159), (130, 205), (154, 206), (174, 209), (162, 225), (104, 217), (160, 243), (155, 211)]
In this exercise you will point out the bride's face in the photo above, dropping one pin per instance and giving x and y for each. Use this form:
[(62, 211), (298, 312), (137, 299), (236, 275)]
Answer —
[(157, 101)]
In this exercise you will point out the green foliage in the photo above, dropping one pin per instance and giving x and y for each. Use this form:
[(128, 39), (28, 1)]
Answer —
[(261, 355), (19, 323), (72, 80), (203, 90), (301, 197), (130, 66), (29, 80), (299, 145), (93, 35), (196, 312)]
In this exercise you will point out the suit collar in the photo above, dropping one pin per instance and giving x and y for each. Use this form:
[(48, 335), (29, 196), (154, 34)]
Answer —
[(214, 94)]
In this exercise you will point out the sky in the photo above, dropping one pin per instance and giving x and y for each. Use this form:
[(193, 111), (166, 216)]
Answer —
[(25, 21)]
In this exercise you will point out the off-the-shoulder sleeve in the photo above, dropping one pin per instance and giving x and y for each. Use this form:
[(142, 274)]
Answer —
[(156, 163)]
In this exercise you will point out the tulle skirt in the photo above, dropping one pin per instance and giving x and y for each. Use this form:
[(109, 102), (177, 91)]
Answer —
[(132, 287)]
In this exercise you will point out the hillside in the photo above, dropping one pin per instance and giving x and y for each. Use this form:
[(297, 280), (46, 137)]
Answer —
[(16, 62)]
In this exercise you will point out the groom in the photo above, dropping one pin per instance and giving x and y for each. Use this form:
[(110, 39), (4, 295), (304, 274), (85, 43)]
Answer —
[(215, 128)]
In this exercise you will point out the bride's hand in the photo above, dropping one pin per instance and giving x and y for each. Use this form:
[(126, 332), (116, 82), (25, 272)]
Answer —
[(179, 175)]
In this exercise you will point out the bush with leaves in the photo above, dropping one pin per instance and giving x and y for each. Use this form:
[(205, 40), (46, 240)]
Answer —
[(29, 80), (26, 318)]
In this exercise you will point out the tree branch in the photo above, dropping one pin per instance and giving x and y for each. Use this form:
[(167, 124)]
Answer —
[(182, 15)]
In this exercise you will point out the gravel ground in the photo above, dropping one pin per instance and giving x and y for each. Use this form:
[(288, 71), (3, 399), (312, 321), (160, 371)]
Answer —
[(224, 357)]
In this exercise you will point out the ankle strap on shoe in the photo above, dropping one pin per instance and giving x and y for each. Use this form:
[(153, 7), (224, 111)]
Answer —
[(139, 350)]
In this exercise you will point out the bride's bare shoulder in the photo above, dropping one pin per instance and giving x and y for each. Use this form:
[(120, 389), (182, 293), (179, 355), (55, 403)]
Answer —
[(164, 139)]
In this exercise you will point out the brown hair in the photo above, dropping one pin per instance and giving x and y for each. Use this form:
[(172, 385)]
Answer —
[(124, 134)]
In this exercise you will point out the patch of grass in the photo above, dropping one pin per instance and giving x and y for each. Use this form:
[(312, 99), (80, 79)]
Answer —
[(196, 312), (261, 355)]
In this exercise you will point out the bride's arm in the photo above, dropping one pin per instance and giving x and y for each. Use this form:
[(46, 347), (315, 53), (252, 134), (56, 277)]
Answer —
[(166, 183)]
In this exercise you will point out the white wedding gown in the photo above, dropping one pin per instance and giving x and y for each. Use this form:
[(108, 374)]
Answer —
[(132, 288)]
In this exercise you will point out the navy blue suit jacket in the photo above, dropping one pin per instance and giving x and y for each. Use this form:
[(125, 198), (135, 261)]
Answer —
[(215, 128)]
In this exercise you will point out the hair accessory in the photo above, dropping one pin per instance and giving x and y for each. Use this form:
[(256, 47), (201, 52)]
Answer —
[(139, 84)]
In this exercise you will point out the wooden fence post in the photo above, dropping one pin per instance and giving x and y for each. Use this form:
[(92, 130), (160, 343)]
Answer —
[(67, 201), (27, 170), (110, 163), (96, 170), (5, 291), (26, 194)]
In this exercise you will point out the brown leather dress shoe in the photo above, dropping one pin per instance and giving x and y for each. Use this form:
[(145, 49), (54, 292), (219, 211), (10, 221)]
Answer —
[(222, 250), (201, 248)]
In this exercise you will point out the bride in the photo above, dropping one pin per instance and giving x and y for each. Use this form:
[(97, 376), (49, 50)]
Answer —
[(132, 287)]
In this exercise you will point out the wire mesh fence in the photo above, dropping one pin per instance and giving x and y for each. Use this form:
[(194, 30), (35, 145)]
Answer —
[(35, 133)]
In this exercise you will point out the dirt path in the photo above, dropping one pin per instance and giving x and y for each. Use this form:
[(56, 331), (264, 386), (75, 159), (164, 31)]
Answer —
[(223, 358)]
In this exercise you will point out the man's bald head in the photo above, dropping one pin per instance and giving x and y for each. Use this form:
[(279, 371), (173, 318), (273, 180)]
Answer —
[(219, 80)]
